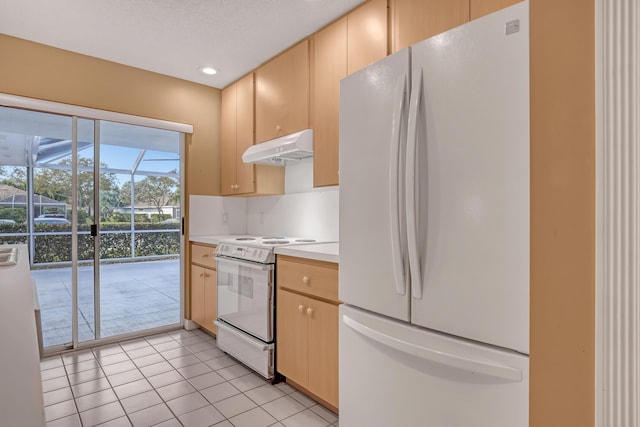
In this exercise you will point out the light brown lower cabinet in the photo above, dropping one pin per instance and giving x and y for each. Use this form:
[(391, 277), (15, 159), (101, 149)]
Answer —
[(203, 287), (307, 330)]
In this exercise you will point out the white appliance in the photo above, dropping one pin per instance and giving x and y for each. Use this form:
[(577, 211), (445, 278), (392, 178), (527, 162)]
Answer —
[(278, 151), (245, 298), (434, 231)]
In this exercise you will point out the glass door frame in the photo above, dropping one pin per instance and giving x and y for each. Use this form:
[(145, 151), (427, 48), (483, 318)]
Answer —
[(75, 295), (76, 113), (97, 338), (95, 231)]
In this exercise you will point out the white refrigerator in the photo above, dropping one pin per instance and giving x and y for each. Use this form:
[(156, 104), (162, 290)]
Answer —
[(434, 231)]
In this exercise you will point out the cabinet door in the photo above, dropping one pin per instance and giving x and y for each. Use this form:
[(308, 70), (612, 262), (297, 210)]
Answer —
[(282, 94), (479, 8), (197, 294), (228, 140), (244, 133), (323, 350), (366, 35), (329, 65), (314, 278), (291, 342), (210, 300), (203, 255), (416, 20)]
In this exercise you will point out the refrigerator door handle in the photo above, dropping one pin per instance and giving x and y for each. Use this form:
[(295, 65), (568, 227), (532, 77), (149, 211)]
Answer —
[(394, 178), (410, 182), (433, 355)]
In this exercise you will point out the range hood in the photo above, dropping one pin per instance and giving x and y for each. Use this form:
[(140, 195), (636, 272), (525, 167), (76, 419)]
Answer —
[(277, 152)]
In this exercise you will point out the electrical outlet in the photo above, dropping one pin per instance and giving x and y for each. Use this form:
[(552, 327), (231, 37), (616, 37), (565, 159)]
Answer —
[(225, 218)]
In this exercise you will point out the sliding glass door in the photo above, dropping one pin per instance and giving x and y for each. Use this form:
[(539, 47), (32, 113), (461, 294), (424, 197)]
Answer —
[(140, 228), (98, 204)]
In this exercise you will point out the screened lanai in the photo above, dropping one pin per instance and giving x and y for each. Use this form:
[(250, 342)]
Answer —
[(126, 208)]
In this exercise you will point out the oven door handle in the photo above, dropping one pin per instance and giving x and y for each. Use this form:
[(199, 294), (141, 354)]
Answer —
[(248, 264)]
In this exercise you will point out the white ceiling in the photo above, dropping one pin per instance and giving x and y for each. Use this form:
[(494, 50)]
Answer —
[(172, 37)]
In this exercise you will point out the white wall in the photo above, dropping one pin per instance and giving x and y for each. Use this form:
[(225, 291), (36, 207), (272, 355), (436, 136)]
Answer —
[(298, 177), (217, 215), (309, 215), (303, 211)]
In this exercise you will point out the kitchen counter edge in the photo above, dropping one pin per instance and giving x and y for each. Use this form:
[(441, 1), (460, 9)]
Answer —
[(208, 239), (328, 252)]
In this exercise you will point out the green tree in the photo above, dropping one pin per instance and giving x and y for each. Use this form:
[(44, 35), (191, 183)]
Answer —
[(125, 193), (158, 191), (15, 176), (56, 183), (53, 183), (109, 200)]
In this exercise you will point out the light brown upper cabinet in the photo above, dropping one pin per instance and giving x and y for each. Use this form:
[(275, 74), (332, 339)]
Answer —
[(282, 94), (416, 20), (329, 65), (237, 134), (347, 45), (484, 7), (366, 35)]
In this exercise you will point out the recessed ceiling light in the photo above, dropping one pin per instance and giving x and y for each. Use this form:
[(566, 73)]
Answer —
[(208, 70)]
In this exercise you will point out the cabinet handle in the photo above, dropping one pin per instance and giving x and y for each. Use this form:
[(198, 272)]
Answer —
[(201, 274), (301, 308), (305, 280), (278, 128), (309, 311), (205, 255), (207, 275)]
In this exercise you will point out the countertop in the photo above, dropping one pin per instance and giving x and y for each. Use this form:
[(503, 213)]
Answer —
[(210, 239), (21, 402), (316, 251)]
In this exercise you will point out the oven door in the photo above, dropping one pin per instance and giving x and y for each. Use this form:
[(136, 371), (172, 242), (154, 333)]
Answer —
[(245, 296)]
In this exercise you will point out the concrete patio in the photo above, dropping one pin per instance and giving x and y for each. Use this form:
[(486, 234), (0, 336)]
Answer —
[(134, 296)]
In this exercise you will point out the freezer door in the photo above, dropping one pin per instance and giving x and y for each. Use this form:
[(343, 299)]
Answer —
[(373, 108), (471, 121), (395, 374)]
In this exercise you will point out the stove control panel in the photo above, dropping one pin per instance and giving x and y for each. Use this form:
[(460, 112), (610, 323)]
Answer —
[(248, 253)]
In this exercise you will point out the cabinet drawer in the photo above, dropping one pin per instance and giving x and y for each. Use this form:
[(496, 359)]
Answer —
[(315, 278), (203, 255)]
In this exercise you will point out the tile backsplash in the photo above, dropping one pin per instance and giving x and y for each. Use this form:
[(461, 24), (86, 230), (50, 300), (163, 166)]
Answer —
[(217, 215), (303, 211), (310, 215)]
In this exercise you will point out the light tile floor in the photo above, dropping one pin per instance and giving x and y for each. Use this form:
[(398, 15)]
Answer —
[(174, 379)]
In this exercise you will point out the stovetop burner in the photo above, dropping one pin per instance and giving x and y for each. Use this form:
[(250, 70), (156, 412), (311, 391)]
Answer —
[(304, 240), (272, 238), (275, 242), (244, 239)]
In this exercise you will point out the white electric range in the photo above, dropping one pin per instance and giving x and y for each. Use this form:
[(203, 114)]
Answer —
[(245, 298)]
